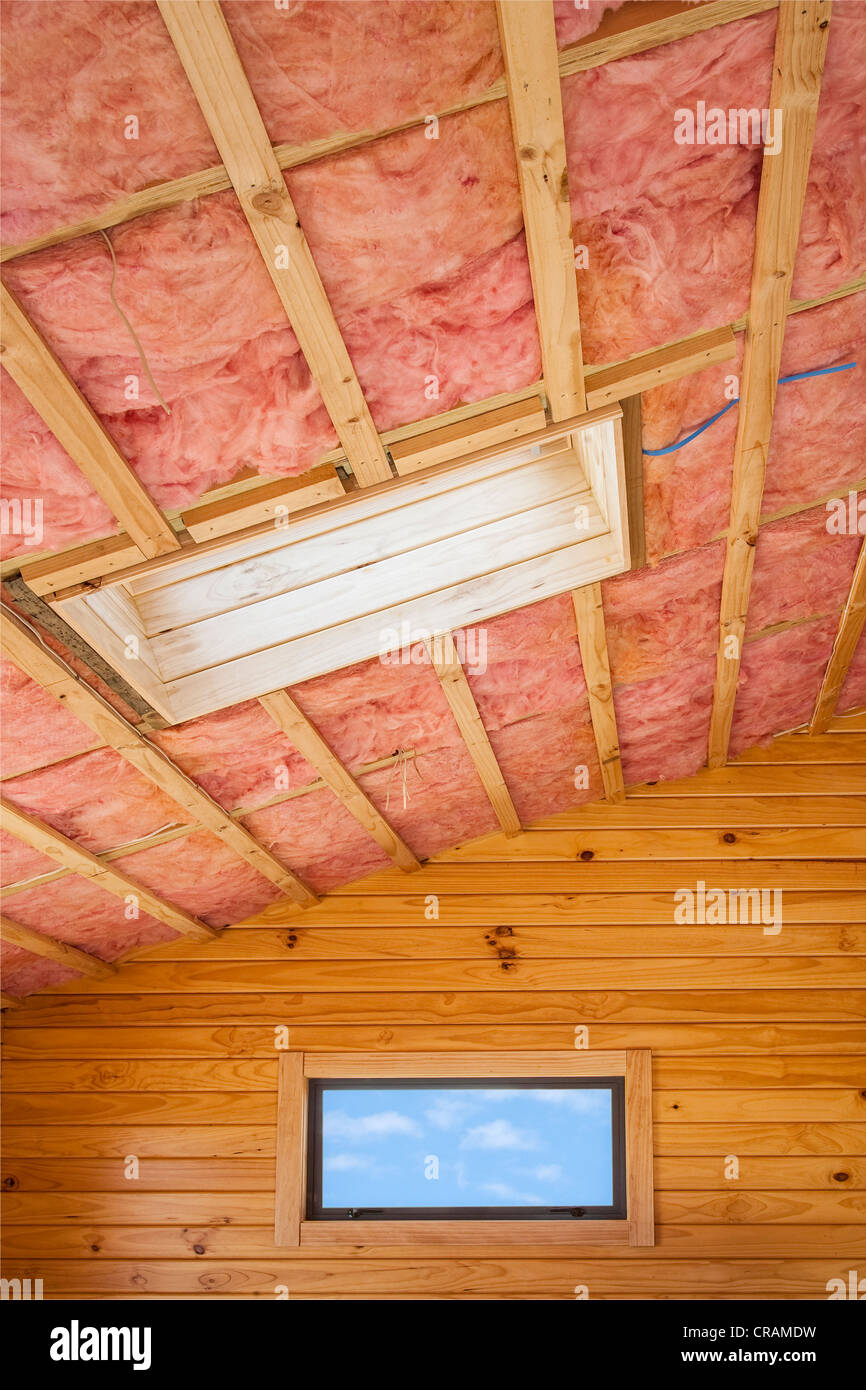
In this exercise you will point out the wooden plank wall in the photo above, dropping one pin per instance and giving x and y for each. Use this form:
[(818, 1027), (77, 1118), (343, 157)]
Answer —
[(757, 1047)]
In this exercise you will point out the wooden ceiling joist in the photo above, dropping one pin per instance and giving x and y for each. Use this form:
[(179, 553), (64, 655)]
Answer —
[(592, 639), (527, 34), (23, 646), (42, 837), (801, 46), (16, 934), (310, 744), (206, 50), (455, 686), (847, 637), (43, 379)]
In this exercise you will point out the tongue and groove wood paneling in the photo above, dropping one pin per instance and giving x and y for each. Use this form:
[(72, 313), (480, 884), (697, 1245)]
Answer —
[(757, 1041)]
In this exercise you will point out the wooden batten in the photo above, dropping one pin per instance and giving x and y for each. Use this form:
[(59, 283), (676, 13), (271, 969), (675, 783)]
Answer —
[(287, 715), (272, 502), (452, 441), (455, 686), (658, 366), (205, 47), (49, 388), (801, 46)]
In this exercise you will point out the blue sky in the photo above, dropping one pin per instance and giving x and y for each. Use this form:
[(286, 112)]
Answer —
[(462, 1147)]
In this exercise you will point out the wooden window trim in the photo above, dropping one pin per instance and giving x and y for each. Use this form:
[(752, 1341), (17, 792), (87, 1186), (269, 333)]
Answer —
[(292, 1229)]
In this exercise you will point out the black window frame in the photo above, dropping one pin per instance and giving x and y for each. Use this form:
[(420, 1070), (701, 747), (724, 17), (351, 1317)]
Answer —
[(616, 1211)]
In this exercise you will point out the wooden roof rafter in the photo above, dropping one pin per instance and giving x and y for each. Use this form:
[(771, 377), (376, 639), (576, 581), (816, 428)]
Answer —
[(527, 33), (844, 645), (52, 393), (23, 646), (290, 718), (206, 49), (50, 948), (801, 46), (457, 691), (39, 836), (592, 639)]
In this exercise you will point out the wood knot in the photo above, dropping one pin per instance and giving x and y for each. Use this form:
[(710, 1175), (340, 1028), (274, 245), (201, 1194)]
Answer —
[(841, 1177), (729, 837), (586, 855), (504, 931), (270, 200), (199, 1249), (527, 153), (10, 1183)]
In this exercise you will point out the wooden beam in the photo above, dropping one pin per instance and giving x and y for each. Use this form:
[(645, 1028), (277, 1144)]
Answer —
[(274, 502), (23, 646), (801, 46), (63, 851), (455, 686), (632, 450), (81, 564), (500, 426), (38, 944), (847, 637), (309, 742), (527, 34), (49, 388), (206, 49), (592, 638), (656, 366)]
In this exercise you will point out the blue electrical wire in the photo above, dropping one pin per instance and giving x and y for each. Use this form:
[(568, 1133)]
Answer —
[(783, 380)]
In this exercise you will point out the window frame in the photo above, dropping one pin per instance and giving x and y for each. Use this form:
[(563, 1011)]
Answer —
[(294, 1228)]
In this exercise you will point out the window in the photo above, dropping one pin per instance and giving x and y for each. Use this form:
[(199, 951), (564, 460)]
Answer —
[(552, 1147), (514, 1149)]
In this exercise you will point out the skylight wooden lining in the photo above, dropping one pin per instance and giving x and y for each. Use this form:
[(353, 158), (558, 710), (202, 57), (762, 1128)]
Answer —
[(369, 575)]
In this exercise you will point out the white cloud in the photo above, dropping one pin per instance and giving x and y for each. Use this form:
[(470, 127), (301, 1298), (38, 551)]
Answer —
[(359, 1128), (344, 1163), (506, 1193), (580, 1102), (498, 1134), (448, 1112), (547, 1172)]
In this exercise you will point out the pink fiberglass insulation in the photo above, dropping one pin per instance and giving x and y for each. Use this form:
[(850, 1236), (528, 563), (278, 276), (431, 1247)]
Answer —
[(801, 570), (98, 800), (658, 619), (23, 973), (317, 836), (35, 728), (853, 692), (549, 762), (687, 494), (316, 69), (668, 227), (237, 755), (575, 22), (524, 663), (67, 155), (377, 708), (321, 68), (203, 876), (664, 723), (446, 802), (18, 861), (819, 425), (38, 470), (780, 676), (74, 910), (833, 230)]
